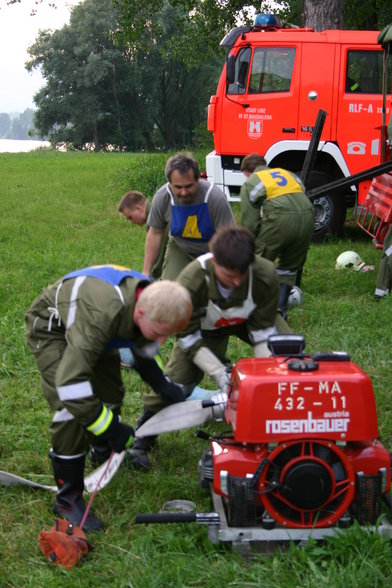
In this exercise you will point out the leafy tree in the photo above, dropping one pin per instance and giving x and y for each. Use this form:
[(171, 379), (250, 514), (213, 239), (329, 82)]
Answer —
[(343, 14), (176, 95), (88, 79), (5, 123), (22, 126), (209, 20), (199, 26), (102, 92), (371, 14)]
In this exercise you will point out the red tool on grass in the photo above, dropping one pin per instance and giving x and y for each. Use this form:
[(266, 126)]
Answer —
[(65, 543)]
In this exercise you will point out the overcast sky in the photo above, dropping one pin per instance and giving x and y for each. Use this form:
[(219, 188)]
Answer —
[(18, 30)]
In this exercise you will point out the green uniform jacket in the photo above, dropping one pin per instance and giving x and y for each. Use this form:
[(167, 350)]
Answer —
[(282, 224), (254, 202), (265, 294), (98, 315)]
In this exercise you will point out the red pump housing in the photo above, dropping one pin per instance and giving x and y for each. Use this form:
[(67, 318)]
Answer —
[(304, 451)]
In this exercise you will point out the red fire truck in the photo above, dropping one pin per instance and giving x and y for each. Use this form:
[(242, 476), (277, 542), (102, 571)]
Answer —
[(274, 82)]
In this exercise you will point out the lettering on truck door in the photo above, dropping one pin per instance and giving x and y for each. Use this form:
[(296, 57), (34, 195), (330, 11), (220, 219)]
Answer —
[(262, 104)]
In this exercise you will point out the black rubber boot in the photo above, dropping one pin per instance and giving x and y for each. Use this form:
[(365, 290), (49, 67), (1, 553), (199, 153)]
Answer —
[(69, 502), (284, 294), (298, 277), (99, 454), (137, 454)]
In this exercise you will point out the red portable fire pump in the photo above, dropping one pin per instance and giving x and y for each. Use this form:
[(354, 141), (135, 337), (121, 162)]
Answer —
[(303, 458)]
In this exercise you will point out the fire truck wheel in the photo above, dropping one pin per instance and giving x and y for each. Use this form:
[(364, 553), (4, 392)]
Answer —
[(329, 209)]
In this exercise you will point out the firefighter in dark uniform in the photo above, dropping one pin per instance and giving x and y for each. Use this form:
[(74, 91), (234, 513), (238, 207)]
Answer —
[(74, 329), (280, 215)]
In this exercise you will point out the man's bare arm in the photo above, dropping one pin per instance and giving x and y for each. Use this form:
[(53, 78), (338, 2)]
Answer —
[(153, 245)]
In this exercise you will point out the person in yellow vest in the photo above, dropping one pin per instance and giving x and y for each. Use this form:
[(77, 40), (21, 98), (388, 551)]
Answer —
[(275, 208), (192, 207)]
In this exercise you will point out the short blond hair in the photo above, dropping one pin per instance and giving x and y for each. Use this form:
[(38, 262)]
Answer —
[(167, 302), (131, 199)]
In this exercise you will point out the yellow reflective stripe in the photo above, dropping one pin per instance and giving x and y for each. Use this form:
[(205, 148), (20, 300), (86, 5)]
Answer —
[(102, 423)]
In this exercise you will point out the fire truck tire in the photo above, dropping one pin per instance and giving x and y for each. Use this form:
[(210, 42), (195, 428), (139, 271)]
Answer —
[(330, 209)]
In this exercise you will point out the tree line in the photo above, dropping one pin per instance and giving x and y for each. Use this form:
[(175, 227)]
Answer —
[(138, 75), (100, 90), (20, 126)]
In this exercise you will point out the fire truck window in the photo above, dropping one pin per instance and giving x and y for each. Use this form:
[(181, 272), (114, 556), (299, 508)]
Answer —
[(364, 72), (272, 70), (241, 72)]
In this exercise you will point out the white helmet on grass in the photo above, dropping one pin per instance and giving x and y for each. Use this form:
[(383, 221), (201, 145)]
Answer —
[(296, 297), (349, 260)]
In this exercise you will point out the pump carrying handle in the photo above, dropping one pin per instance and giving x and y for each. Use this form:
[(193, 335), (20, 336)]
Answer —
[(166, 517), (208, 518)]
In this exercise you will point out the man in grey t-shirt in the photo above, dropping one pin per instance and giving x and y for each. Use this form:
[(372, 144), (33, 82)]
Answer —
[(193, 208)]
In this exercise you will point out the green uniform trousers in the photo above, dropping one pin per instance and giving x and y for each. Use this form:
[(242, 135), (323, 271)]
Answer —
[(384, 276), (175, 261), (285, 236), (67, 435)]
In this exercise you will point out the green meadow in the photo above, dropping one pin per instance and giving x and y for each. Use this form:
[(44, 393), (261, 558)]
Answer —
[(59, 213)]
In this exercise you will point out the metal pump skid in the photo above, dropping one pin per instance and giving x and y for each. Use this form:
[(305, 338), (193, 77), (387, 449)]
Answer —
[(303, 458)]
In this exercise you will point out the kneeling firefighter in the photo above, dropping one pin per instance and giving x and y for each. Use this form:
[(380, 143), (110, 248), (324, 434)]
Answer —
[(74, 329)]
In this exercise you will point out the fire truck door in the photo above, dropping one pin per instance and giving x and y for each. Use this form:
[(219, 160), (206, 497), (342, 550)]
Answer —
[(316, 88), (265, 111), (360, 108)]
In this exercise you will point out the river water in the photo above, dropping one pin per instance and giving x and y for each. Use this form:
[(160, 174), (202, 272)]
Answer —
[(16, 146)]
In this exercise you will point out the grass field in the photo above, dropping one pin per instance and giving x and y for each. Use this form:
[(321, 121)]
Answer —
[(59, 213)]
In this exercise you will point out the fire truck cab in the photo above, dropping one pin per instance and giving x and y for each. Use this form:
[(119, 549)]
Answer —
[(273, 84)]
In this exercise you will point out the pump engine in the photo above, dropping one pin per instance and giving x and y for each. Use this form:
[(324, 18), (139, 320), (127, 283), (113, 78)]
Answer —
[(304, 450)]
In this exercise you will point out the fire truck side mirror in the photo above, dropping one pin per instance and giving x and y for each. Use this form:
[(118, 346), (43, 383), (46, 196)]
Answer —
[(286, 344), (230, 69)]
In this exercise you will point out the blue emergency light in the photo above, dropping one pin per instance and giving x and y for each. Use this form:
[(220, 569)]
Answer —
[(266, 20)]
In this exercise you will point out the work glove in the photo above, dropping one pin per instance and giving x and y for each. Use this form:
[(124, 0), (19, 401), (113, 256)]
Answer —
[(172, 392), (151, 373), (207, 361), (261, 349), (116, 434)]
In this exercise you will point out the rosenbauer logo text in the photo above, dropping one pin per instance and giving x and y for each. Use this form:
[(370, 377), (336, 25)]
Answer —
[(309, 425)]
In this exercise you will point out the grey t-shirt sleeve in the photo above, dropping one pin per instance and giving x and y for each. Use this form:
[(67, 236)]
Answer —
[(160, 212), (220, 209)]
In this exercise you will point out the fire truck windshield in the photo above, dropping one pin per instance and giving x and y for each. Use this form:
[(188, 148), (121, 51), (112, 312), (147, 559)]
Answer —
[(271, 70)]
